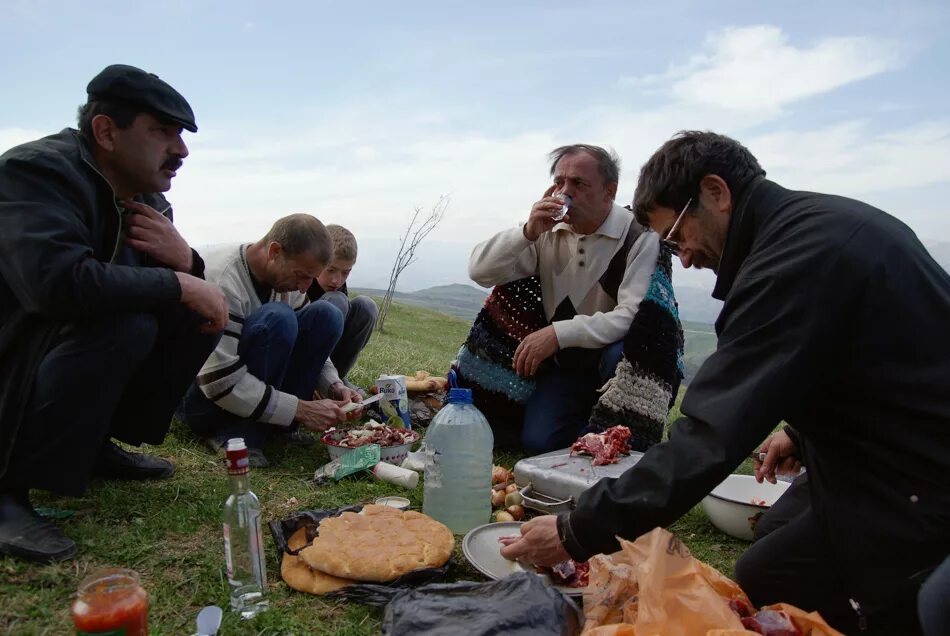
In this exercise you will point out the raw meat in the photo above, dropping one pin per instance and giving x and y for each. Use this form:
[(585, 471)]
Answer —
[(604, 447)]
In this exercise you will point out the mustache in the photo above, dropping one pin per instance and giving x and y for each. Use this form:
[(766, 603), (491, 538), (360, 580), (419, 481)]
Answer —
[(173, 163)]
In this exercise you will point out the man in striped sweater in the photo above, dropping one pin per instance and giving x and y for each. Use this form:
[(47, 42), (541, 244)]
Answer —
[(274, 352)]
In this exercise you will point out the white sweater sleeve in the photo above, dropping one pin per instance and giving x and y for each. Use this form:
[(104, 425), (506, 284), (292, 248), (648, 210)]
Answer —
[(505, 257), (604, 328), (225, 380)]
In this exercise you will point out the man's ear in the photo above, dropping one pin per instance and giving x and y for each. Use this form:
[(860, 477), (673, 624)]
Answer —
[(715, 194), (612, 191), (273, 250), (103, 131)]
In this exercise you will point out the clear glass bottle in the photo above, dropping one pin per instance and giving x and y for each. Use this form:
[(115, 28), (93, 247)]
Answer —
[(243, 539), (458, 462)]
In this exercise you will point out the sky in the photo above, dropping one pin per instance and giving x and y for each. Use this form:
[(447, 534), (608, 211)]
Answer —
[(361, 112)]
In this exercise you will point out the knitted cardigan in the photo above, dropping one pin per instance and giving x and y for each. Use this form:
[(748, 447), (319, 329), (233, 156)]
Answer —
[(645, 381)]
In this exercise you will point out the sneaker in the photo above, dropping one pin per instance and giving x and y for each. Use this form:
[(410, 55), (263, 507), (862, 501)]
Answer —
[(114, 462), (26, 535)]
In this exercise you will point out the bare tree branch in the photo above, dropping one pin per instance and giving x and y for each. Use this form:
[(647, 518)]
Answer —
[(406, 256)]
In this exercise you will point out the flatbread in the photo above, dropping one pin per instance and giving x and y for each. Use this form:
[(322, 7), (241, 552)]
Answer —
[(428, 384), (300, 576), (379, 544), (422, 381)]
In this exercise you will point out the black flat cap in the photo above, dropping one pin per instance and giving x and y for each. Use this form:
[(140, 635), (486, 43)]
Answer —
[(125, 83)]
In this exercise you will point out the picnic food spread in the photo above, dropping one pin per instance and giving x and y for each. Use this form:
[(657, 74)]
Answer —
[(604, 447), (378, 544), (371, 433)]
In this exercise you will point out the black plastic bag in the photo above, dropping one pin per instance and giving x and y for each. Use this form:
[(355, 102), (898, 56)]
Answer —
[(282, 529), (520, 604)]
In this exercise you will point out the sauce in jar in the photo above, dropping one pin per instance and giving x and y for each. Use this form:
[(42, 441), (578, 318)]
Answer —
[(111, 601)]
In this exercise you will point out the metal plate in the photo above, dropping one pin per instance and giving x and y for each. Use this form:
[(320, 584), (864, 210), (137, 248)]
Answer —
[(560, 476), (482, 549)]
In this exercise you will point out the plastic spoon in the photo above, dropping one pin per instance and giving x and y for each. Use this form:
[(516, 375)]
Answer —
[(208, 621)]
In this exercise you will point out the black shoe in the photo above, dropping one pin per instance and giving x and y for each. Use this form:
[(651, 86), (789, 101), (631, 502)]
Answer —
[(116, 463), (26, 535)]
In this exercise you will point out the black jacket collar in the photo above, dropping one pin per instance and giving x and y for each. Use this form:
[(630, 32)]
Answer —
[(740, 234)]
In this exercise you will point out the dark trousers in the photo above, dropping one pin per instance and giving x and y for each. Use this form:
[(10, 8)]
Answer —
[(280, 347), (116, 376), (560, 406), (790, 561), (359, 318)]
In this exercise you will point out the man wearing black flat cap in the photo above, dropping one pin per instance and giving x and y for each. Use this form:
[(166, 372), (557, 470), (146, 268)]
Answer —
[(105, 316)]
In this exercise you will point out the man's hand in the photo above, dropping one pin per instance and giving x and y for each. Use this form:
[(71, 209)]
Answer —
[(339, 391), (542, 215), (780, 456), (319, 415), (151, 233), (539, 543), (206, 300), (533, 350)]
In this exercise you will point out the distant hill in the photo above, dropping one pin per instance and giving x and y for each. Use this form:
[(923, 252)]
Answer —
[(461, 301), (696, 304)]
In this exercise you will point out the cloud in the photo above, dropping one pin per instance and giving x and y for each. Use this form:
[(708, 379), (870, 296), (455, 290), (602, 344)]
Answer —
[(10, 137), (755, 69), (850, 158)]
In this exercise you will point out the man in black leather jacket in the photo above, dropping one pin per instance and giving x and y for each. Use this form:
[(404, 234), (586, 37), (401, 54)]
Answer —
[(105, 317), (836, 321)]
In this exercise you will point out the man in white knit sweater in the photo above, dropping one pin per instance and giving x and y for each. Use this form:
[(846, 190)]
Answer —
[(274, 352), (594, 266)]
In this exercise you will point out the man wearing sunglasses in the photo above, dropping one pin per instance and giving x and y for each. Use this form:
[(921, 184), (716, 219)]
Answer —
[(835, 320)]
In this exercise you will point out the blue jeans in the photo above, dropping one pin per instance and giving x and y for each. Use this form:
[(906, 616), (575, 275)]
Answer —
[(359, 318), (560, 406), (282, 348)]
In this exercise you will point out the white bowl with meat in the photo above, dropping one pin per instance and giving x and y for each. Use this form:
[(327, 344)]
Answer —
[(394, 443), (735, 505)]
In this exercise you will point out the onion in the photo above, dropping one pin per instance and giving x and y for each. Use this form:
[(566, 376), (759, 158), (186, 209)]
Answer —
[(499, 475), (513, 499), (517, 512), (511, 488), (501, 515), (498, 499)]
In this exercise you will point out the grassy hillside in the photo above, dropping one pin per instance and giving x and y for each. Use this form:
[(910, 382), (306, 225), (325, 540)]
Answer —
[(170, 531), (700, 342)]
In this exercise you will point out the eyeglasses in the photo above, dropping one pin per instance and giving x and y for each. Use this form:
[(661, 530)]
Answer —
[(668, 241)]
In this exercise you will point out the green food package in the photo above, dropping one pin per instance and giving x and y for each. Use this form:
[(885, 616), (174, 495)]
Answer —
[(360, 458), (393, 420)]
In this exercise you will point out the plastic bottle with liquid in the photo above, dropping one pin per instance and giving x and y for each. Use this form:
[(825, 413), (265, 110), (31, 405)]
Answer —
[(243, 538), (458, 463)]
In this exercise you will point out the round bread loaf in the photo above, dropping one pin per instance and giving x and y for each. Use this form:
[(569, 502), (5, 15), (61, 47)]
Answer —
[(303, 578), (379, 544)]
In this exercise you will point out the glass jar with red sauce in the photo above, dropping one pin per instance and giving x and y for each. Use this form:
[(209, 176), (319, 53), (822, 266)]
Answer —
[(111, 601)]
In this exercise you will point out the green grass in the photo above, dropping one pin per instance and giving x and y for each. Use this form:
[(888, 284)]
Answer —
[(170, 531)]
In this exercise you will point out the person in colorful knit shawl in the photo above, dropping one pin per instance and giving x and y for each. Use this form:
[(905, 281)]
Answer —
[(575, 297)]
